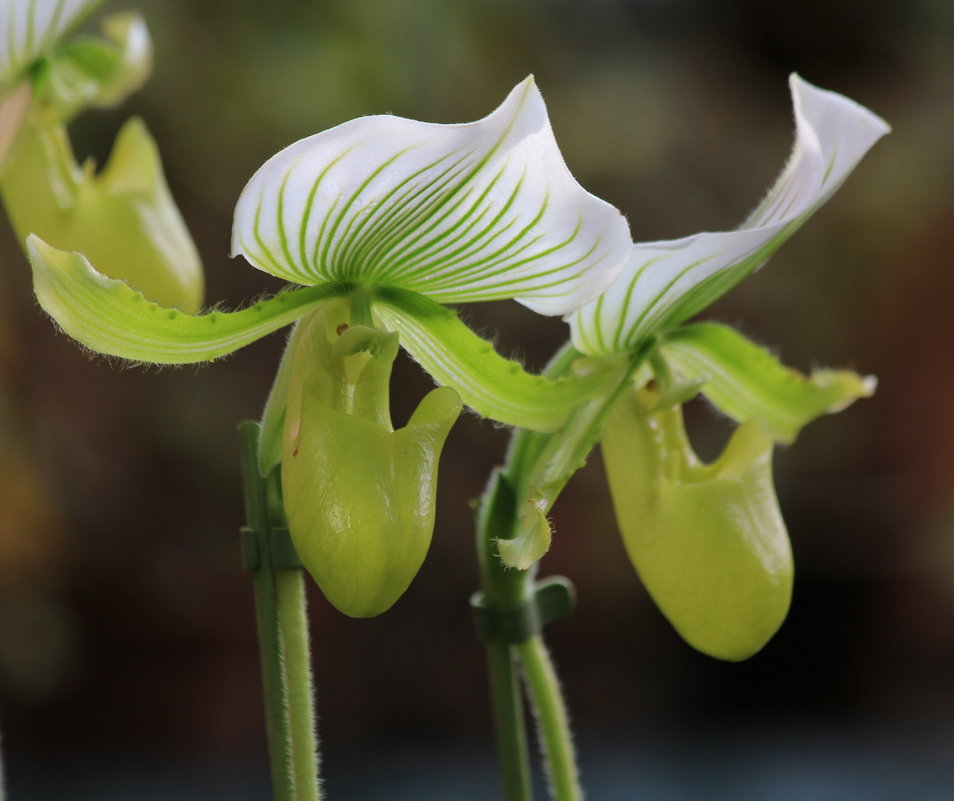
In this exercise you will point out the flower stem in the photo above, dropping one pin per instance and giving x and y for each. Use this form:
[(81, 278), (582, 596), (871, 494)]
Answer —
[(537, 468), (283, 636), (553, 724), (293, 624), (503, 588), (509, 724)]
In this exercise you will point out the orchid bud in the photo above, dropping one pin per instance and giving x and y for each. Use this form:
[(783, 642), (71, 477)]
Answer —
[(358, 495), (708, 541)]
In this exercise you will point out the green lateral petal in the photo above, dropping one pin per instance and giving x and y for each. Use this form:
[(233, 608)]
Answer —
[(745, 381), (480, 211), (30, 28), (493, 386), (665, 283), (109, 317)]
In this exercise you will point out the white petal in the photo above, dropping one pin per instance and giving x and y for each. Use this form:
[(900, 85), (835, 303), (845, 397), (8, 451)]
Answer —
[(28, 28), (665, 283), (479, 211)]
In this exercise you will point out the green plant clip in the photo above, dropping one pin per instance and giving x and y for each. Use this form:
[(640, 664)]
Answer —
[(282, 550), (553, 599)]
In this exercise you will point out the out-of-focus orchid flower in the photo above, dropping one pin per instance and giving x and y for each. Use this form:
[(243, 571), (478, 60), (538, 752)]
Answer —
[(123, 217), (31, 28)]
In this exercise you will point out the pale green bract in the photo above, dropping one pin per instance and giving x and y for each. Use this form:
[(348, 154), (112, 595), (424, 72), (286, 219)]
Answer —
[(665, 283), (460, 213), (407, 215), (30, 28)]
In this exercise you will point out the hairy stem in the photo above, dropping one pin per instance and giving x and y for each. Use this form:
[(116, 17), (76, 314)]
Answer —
[(553, 724), (283, 637)]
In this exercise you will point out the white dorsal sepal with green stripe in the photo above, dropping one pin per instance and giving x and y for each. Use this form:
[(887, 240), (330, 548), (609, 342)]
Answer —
[(665, 283), (480, 211)]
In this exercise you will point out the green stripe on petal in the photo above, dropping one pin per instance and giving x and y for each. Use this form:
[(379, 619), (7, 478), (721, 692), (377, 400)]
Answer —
[(108, 316), (479, 211), (30, 28), (665, 283), (745, 381), (493, 386)]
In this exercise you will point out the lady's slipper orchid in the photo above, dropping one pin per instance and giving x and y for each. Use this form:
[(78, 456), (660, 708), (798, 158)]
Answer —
[(124, 218), (383, 219), (405, 215), (708, 540), (28, 30)]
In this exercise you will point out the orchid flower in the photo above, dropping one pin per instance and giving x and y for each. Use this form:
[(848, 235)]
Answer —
[(123, 217), (709, 541), (29, 29), (391, 218)]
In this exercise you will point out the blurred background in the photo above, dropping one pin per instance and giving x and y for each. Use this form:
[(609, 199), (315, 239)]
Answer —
[(128, 663)]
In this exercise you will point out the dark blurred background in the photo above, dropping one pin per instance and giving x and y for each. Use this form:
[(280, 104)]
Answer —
[(128, 665)]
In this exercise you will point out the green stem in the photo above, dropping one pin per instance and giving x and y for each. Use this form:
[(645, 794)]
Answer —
[(509, 723), (283, 639), (553, 724), (504, 588), (293, 623), (537, 467)]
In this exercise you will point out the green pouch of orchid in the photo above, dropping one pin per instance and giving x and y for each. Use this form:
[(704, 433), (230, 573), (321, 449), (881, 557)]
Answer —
[(359, 496), (708, 541)]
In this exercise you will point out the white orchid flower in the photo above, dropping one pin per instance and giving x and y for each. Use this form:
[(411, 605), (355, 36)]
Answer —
[(30, 28), (399, 216), (665, 283)]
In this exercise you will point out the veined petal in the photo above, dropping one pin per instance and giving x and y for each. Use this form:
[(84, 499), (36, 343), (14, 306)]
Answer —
[(478, 211), (493, 386), (665, 283), (108, 316), (29, 28)]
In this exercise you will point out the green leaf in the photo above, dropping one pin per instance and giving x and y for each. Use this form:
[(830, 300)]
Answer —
[(482, 211), (108, 316), (665, 283), (493, 386), (744, 380)]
